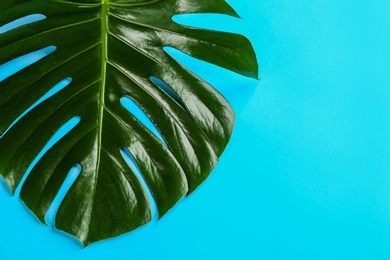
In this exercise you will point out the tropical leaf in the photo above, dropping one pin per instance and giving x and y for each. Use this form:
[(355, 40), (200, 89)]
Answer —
[(111, 49)]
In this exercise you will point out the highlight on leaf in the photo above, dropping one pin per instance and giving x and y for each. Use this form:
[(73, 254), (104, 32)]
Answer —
[(143, 131)]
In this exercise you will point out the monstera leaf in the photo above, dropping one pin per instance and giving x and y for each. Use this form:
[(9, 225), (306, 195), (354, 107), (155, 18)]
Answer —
[(111, 49)]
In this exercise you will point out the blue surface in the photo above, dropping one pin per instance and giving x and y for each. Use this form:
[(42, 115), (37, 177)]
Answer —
[(307, 173)]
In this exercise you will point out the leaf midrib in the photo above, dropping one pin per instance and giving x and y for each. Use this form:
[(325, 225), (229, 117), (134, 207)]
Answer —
[(103, 39)]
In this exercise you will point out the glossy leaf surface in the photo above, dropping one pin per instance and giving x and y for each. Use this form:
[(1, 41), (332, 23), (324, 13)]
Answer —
[(113, 50)]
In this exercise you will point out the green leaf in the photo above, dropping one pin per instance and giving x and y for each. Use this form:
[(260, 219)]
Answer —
[(113, 49)]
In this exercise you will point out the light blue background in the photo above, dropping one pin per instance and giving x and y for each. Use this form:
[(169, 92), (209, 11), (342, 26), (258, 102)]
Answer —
[(307, 173)]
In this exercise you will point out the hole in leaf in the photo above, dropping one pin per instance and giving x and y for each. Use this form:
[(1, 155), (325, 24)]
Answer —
[(61, 132), (133, 165), (167, 90), (32, 18), (134, 109), (202, 69), (226, 82), (216, 22), (13, 66), (58, 87), (192, 63), (67, 184)]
